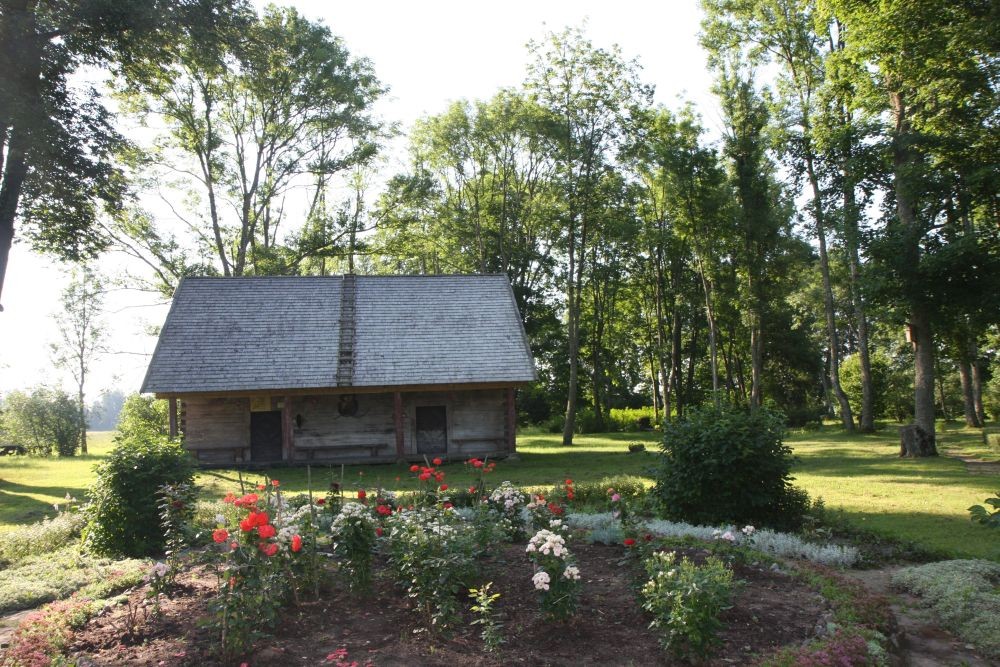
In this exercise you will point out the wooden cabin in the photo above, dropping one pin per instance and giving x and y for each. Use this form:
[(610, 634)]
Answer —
[(342, 368)]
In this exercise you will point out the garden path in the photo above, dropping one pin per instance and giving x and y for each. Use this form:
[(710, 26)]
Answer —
[(9, 623), (922, 642), (974, 465)]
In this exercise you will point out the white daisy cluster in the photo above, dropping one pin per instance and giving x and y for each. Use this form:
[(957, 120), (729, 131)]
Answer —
[(508, 497), (548, 543), (571, 572), (541, 580), (350, 513)]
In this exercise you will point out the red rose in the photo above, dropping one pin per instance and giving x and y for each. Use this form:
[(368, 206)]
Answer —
[(379, 531), (569, 482), (414, 468), (321, 501), (555, 509), (569, 495), (476, 463), (447, 506), (361, 494), (259, 518), (472, 489), (629, 542), (230, 497), (220, 535), (437, 461), (424, 476), (384, 510), (444, 487), (261, 487), (247, 524), (648, 537), (275, 482), (268, 549), (296, 543), (439, 476), (233, 546), (266, 531)]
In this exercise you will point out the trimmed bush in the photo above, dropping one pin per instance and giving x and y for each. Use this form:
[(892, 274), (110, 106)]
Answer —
[(123, 518), (729, 466)]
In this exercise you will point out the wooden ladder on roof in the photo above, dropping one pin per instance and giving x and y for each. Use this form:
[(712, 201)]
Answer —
[(348, 326)]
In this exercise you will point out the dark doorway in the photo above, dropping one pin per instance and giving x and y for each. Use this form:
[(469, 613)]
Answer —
[(265, 436), (432, 430)]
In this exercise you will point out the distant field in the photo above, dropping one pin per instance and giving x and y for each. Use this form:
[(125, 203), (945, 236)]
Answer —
[(924, 501)]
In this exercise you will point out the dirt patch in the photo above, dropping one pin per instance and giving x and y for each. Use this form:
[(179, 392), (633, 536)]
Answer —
[(771, 610)]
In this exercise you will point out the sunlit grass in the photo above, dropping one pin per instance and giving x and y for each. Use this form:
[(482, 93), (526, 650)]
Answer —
[(924, 500), (29, 486)]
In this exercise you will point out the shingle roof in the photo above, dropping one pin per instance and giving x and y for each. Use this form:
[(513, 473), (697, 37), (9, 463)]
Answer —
[(234, 334)]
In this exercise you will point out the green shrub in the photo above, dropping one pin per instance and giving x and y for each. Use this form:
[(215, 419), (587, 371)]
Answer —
[(627, 420), (685, 600), (40, 538), (42, 421), (728, 466), (123, 517), (964, 594), (142, 419), (629, 487)]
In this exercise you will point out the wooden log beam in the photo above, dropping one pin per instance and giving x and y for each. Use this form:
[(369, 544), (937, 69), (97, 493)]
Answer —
[(172, 418), (511, 425), (397, 414)]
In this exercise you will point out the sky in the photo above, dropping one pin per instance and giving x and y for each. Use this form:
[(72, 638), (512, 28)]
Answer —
[(429, 54)]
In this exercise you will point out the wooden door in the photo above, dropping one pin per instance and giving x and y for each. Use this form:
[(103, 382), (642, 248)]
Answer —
[(265, 436), (432, 430)]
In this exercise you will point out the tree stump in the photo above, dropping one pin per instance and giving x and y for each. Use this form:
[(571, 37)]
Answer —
[(915, 442)]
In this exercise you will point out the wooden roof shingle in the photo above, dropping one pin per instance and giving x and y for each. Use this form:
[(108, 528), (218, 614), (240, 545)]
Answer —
[(251, 334)]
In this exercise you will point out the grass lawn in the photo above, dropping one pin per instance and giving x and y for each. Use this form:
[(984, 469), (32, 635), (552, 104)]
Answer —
[(924, 500), (29, 486)]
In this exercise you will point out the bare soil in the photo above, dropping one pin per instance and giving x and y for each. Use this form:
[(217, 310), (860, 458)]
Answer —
[(771, 610)]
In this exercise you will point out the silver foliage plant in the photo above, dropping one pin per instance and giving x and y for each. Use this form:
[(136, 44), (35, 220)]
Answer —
[(777, 544)]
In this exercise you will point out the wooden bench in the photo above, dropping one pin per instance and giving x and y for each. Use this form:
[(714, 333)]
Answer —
[(372, 447)]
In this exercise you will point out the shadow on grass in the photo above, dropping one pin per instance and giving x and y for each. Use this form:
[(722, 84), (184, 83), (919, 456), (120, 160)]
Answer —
[(19, 507)]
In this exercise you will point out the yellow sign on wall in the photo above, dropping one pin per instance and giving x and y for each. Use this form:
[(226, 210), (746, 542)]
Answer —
[(260, 404)]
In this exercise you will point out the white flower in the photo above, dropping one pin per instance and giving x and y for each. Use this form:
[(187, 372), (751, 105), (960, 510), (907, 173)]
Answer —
[(728, 536), (555, 523), (571, 572), (749, 530), (541, 581), (56, 505), (158, 570)]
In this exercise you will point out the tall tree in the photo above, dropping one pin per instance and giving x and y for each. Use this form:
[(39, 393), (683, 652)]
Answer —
[(589, 94), (57, 141), (82, 336), (930, 67), (269, 105)]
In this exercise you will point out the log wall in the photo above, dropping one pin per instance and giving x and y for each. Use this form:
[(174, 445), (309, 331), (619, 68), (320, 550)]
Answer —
[(217, 430)]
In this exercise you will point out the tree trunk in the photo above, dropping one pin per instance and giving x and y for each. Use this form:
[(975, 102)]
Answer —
[(921, 332), (915, 442), (968, 401), (977, 389), (846, 416), (852, 238)]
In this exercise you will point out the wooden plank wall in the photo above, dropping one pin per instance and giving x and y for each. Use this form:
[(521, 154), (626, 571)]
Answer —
[(476, 420), (331, 436), (217, 428)]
